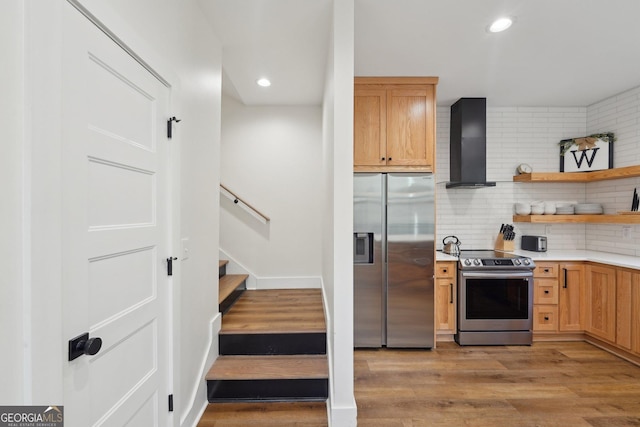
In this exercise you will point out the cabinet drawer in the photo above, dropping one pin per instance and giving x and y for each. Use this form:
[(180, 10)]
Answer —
[(546, 269), (445, 269), (545, 291), (545, 318)]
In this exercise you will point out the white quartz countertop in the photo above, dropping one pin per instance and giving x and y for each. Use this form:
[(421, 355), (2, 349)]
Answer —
[(581, 255), (441, 256), (569, 255)]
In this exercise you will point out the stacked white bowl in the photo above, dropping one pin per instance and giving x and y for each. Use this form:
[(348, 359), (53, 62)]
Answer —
[(537, 208), (522, 208), (549, 208)]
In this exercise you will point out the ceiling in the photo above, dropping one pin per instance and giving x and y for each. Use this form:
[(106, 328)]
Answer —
[(558, 52)]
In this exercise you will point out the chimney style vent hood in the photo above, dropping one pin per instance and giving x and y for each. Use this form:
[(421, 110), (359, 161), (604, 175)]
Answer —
[(468, 144)]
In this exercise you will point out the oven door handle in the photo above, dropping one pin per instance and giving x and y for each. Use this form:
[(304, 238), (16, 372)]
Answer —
[(494, 274)]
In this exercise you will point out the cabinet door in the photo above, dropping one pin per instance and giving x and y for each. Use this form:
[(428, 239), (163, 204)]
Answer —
[(571, 297), (601, 302), (369, 127), (628, 309), (545, 318), (548, 270), (411, 126), (545, 291), (445, 306)]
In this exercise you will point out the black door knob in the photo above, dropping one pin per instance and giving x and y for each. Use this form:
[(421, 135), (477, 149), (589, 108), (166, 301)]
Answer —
[(91, 346), (82, 344)]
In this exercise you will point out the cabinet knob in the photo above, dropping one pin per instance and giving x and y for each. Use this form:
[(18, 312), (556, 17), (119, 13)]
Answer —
[(546, 317), (546, 292), (546, 270), (382, 158), (390, 159)]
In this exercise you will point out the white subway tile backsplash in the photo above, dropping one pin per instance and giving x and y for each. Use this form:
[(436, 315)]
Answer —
[(530, 135)]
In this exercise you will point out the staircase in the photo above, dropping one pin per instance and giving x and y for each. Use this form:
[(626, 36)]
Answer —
[(273, 358)]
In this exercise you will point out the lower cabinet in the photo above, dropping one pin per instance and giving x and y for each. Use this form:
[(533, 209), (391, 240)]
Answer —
[(601, 302), (446, 291), (584, 297), (628, 309), (571, 297), (545, 297), (545, 318)]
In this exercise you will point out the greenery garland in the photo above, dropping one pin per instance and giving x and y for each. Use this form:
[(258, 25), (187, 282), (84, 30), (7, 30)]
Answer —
[(565, 144)]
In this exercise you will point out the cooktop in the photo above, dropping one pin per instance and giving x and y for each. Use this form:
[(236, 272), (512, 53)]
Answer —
[(485, 259)]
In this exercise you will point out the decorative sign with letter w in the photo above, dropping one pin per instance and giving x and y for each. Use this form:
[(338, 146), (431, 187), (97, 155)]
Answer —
[(589, 153)]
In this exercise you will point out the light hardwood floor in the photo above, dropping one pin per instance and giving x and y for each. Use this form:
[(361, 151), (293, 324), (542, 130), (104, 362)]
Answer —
[(568, 384)]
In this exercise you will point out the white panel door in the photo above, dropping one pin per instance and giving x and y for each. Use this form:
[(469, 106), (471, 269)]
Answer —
[(115, 231)]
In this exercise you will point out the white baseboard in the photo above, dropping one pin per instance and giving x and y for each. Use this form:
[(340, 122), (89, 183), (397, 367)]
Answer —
[(258, 282), (198, 400), (345, 416), (287, 283)]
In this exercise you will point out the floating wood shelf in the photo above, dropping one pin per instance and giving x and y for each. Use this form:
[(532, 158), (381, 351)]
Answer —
[(584, 177), (579, 219)]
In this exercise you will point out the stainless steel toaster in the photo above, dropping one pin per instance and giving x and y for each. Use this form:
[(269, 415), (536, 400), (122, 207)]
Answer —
[(534, 243)]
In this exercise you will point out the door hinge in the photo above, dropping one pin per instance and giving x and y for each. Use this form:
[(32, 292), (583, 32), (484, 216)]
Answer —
[(171, 403), (170, 265), (170, 126)]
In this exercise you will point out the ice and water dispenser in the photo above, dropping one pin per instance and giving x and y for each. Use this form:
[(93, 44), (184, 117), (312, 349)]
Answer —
[(363, 248)]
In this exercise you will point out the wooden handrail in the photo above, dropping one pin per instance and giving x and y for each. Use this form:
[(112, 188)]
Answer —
[(253, 210)]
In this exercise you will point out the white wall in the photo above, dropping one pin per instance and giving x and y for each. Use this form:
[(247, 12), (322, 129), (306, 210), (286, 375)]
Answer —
[(514, 135), (11, 207), (272, 159), (530, 135), (619, 114), (174, 39), (337, 261)]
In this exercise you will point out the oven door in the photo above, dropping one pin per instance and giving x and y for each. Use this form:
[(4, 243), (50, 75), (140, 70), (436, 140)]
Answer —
[(495, 301)]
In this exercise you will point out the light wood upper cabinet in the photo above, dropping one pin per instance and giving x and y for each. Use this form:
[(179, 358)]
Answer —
[(369, 127), (394, 124), (601, 300), (628, 309), (571, 298)]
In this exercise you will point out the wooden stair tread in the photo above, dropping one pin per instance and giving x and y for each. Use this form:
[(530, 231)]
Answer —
[(276, 311), (222, 263), (228, 283), (269, 367), (265, 414)]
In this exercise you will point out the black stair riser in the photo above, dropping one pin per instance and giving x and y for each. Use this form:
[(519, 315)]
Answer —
[(272, 344), (228, 302), (268, 390), (222, 271)]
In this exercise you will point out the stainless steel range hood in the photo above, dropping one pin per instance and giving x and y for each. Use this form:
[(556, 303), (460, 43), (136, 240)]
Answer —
[(468, 144)]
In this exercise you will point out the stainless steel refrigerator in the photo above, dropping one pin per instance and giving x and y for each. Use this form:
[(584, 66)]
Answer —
[(393, 245)]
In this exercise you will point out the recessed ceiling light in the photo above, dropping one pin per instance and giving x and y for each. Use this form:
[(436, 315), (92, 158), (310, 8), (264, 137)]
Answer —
[(500, 24), (263, 82)]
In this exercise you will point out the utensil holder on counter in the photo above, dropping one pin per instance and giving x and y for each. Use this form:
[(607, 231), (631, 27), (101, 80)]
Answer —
[(504, 245)]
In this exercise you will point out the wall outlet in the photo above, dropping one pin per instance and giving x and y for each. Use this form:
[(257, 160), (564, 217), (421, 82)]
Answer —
[(547, 229), (626, 232)]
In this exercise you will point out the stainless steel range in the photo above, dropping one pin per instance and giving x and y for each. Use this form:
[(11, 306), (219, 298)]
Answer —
[(495, 298)]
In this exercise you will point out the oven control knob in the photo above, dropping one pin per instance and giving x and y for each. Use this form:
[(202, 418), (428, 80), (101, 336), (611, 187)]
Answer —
[(476, 262), (527, 261), (467, 262), (516, 261)]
